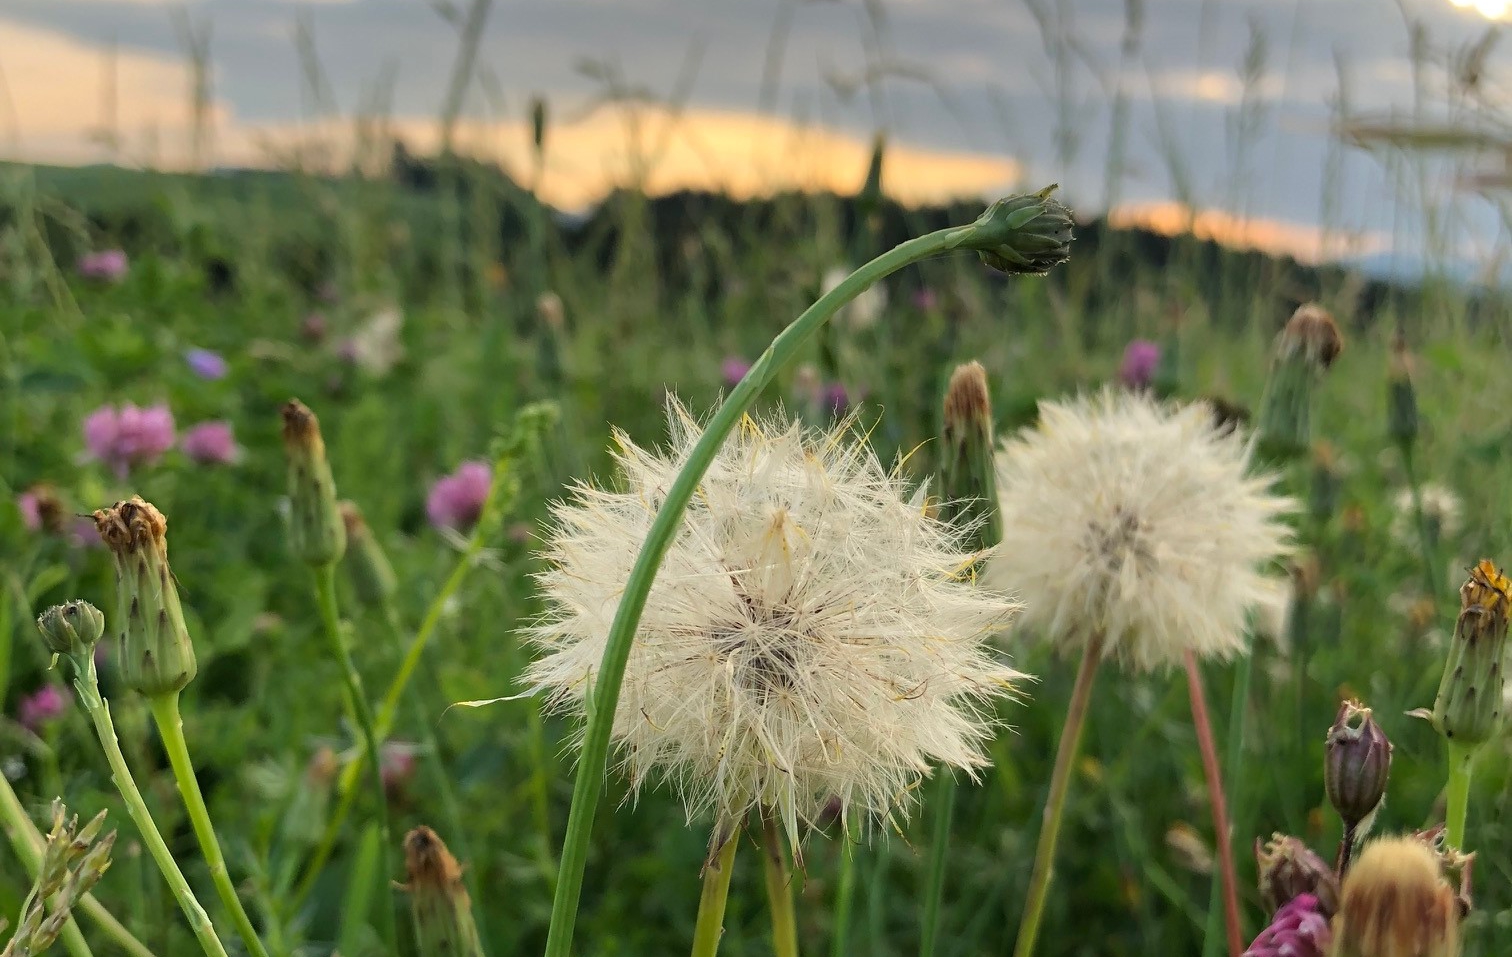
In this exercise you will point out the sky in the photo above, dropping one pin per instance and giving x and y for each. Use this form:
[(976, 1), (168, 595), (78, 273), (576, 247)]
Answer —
[(1149, 109)]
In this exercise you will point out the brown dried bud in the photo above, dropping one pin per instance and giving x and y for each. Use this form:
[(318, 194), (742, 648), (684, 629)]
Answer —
[(1287, 868), (444, 924)]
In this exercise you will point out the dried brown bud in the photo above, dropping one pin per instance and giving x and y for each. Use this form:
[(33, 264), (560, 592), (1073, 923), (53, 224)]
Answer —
[(1313, 332), (444, 924), (1287, 868)]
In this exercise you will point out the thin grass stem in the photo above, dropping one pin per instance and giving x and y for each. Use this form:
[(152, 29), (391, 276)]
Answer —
[(1222, 832)]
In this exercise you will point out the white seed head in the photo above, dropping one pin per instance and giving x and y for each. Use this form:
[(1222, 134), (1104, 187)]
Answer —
[(1138, 521), (811, 634)]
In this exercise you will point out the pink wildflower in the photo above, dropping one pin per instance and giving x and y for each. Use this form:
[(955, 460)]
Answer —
[(41, 707), (456, 500), (1298, 930), (128, 436), (211, 443), (733, 369), (1140, 358), (107, 265)]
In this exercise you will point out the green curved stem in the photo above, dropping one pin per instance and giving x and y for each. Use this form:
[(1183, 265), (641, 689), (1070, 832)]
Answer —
[(716, 892), (165, 711), (357, 705), (934, 891), (1461, 765), (88, 687), (604, 696), (1055, 803), (779, 889)]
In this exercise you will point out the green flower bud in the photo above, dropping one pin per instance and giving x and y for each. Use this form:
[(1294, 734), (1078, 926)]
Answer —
[(1288, 868), (72, 629), (316, 534), (157, 656), (1304, 350), (1027, 234), (1356, 765), (1401, 398), (1468, 707), (968, 480), (367, 567), (443, 915)]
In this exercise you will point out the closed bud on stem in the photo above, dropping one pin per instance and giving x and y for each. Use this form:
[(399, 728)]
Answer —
[(1395, 902), (870, 197), (316, 534), (1401, 397), (157, 657), (1356, 765), (1468, 706), (443, 915), (1288, 868), (71, 629), (538, 124), (367, 567), (1304, 350), (968, 482), (1027, 234)]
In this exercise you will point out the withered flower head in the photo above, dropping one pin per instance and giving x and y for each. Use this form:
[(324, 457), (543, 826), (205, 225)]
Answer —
[(157, 656), (1289, 868), (1396, 903)]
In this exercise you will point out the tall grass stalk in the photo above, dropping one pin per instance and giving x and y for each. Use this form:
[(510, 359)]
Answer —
[(170, 724), (1232, 759), (986, 233), (18, 828), (1055, 802)]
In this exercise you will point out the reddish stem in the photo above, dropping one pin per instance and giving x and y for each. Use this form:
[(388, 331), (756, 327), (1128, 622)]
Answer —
[(1221, 838)]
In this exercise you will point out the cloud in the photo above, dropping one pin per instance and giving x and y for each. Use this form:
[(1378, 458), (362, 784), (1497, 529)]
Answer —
[(1306, 241)]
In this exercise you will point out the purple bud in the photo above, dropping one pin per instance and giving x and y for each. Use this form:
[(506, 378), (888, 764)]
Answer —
[(1357, 762), (1140, 359), (42, 707), (206, 364), (1298, 930), (107, 265)]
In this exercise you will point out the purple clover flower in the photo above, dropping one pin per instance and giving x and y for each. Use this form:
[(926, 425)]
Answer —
[(206, 364), (732, 370), (107, 265), (42, 707), (211, 443), (456, 500), (128, 436), (1140, 359)]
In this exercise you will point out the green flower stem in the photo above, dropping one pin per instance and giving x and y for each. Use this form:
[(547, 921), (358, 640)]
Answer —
[(716, 891), (1461, 764), (88, 687), (165, 711), (604, 697), (779, 888), (1222, 832), (1233, 756), (383, 723), (362, 712), (28, 846), (1055, 804), (934, 891), (845, 896)]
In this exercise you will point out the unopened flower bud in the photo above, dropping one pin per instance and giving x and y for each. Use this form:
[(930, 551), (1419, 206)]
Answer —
[(443, 917), (1304, 350), (316, 534), (157, 657), (1396, 903), (367, 567), (968, 483), (71, 629), (1288, 869), (1468, 707), (1027, 234), (1401, 397), (1356, 764), (538, 124)]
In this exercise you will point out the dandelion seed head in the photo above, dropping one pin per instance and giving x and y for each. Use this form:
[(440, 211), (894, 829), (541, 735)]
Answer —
[(1137, 521), (810, 634)]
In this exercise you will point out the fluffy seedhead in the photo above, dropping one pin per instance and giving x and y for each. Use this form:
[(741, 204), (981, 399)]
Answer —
[(1138, 522), (810, 634), (1397, 903)]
